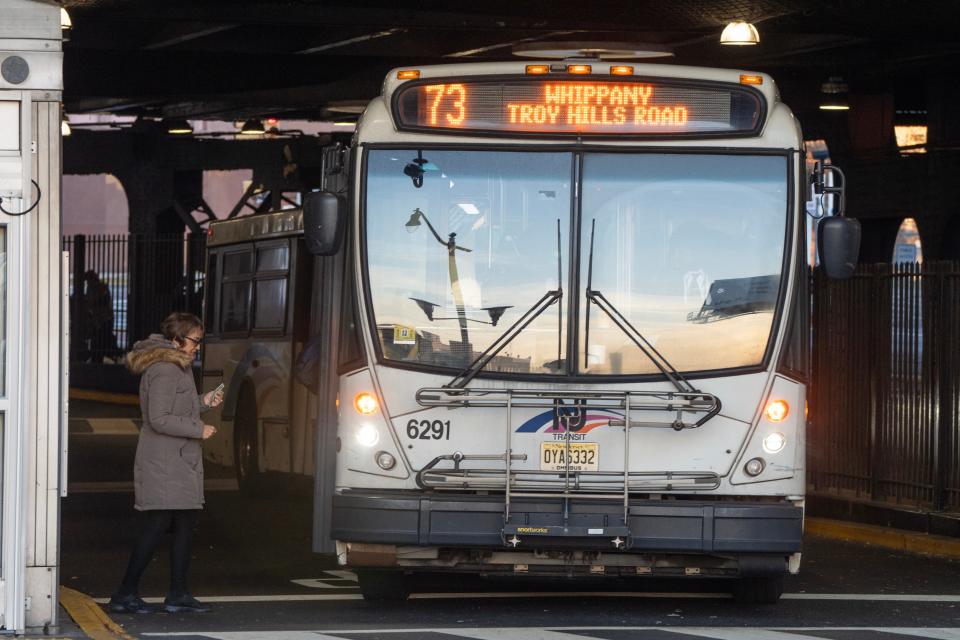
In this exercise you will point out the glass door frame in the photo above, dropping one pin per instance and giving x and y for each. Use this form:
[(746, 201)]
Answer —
[(13, 398)]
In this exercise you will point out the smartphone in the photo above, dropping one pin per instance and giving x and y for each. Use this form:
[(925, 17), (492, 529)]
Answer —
[(218, 389)]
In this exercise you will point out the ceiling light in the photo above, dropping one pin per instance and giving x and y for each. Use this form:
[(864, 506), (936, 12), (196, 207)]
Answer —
[(179, 127), (65, 126), (253, 127), (835, 95), (740, 33), (65, 21)]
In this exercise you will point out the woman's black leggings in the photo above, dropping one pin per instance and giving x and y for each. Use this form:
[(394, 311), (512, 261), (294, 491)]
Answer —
[(156, 523)]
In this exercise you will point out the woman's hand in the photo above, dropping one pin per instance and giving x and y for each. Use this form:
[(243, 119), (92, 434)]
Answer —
[(208, 431), (213, 398)]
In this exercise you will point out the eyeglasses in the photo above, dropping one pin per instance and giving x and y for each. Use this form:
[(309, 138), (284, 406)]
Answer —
[(196, 341)]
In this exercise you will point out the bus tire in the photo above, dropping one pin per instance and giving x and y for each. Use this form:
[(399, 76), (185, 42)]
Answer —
[(766, 590), (246, 451), (383, 586)]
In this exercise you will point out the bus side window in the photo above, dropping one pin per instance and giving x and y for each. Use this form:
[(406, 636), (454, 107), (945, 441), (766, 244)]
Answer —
[(350, 355), (235, 292), (270, 289)]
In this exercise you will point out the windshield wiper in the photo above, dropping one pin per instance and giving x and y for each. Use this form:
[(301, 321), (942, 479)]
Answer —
[(657, 358), (463, 378)]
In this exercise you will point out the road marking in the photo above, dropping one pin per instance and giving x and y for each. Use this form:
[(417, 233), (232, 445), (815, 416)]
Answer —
[(567, 594), (105, 396), (299, 597), (888, 597), (571, 633), (514, 634), (94, 622), (316, 583), (343, 580), (346, 575), (745, 634), (126, 486), (113, 426), (249, 635)]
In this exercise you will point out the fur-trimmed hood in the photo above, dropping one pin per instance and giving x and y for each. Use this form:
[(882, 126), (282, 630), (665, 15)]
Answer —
[(155, 349)]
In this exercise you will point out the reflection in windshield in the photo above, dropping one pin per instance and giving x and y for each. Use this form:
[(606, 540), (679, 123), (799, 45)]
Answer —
[(458, 252), (682, 242)]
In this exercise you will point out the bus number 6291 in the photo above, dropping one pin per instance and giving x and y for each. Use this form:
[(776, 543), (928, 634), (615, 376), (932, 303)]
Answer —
[(428, 430)]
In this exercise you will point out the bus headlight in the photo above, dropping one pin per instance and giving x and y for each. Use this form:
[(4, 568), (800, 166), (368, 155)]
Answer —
[(367, 435), (774, 442), (754, 466), (386, 461)]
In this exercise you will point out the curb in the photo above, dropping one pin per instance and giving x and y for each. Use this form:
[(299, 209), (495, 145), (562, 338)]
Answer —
[(909, 541), (104, 396), (88, 615)]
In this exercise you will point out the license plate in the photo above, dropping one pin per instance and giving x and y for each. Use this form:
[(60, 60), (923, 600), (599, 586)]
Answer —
[(583, 456)]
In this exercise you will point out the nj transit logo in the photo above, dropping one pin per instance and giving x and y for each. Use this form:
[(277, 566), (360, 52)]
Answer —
[(579, 422)]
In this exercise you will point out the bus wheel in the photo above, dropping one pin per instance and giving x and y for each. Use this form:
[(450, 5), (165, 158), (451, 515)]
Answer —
[(246, 459), (759, 590), (383, 586)]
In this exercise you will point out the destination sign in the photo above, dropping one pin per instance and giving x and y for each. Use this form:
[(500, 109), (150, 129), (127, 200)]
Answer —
[(631, 108)]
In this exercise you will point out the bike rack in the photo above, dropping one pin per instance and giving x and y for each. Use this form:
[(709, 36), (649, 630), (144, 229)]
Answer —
[(596, 485)]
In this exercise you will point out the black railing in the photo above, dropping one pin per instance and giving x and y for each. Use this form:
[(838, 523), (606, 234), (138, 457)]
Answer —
[(885, 399), (127, 285)]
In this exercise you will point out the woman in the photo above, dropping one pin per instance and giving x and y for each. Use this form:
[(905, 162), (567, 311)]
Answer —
[(168, 471)]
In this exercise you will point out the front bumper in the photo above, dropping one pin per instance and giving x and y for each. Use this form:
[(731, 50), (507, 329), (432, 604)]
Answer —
[(653, 526)]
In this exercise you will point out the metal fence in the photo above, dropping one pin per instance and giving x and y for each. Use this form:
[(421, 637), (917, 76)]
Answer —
[(122, 286), (885, 399)]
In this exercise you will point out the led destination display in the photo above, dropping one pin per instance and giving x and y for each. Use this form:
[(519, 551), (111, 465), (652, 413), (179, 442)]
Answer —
[(645, 108)]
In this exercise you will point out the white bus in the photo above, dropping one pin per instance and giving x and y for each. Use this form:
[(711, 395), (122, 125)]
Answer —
[(573, 334)]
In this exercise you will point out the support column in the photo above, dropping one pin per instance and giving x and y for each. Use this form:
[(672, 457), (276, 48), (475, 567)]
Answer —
[(33, 395)]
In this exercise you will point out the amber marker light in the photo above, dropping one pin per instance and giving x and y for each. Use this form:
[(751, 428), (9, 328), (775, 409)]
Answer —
[(408, 74), (538, 69), (776, 410), (745, 79), (621, 70), (579, 69), (365, 403)]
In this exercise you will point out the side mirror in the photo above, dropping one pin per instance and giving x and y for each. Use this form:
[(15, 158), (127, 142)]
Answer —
[(838, 242), (324, 218)]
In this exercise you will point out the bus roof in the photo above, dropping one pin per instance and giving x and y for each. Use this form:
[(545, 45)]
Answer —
[(276, 224)]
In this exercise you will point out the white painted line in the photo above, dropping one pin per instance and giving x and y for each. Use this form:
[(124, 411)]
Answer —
[(569, 633), (298, 597), (567, 594), (521, 633), (938, 634), (126, 486), (743, 634), (346, 575), (314, 583), (113, 426), (249, 635), (876, 597)]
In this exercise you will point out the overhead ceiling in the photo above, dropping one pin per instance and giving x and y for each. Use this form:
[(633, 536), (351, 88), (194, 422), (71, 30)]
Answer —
[(202, 59)]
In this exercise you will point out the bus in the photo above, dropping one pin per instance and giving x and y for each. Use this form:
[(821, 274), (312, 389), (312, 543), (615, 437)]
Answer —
[(562, 321)]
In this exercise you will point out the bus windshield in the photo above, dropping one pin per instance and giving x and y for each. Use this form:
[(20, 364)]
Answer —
[(459, 245), (689, 248)]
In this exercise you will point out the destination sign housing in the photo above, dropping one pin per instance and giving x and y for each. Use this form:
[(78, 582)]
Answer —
[(541, 106)]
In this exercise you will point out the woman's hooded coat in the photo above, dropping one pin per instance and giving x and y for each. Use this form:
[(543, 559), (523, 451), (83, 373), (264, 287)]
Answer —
[(168, 470)]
